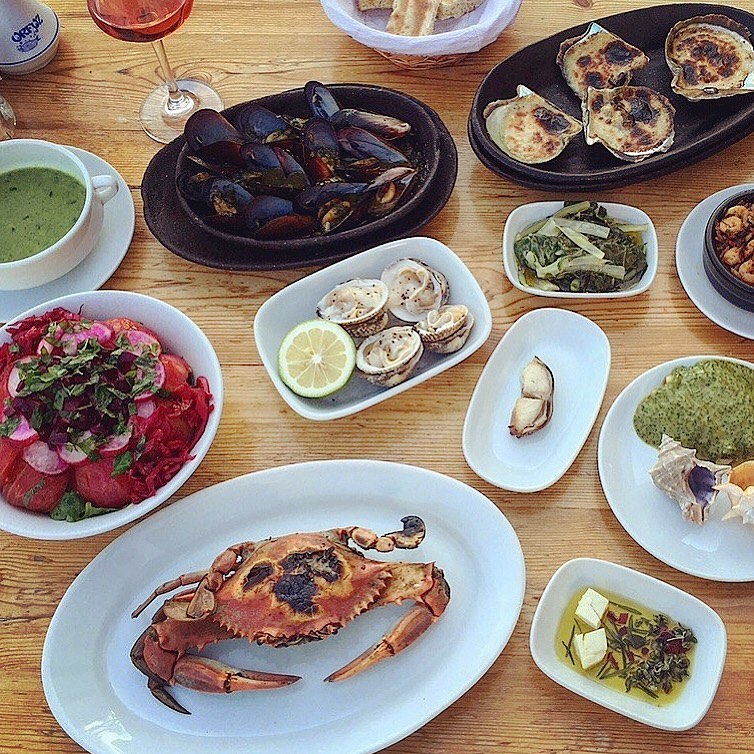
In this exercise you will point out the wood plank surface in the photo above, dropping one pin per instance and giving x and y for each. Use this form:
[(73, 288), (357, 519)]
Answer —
[(89, 96)]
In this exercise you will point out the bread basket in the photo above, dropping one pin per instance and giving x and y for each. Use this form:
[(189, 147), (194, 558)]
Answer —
[(451, 41)]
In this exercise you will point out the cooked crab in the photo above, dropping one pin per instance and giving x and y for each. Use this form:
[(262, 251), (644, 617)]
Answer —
[(284, 591)]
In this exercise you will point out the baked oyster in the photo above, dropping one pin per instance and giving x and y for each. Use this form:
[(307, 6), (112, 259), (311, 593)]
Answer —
[(414, 289), (691, 482), (529, 128), (632, 122), (446, 329), (598, 58), (710, 57), (387, 358), (359, 306)]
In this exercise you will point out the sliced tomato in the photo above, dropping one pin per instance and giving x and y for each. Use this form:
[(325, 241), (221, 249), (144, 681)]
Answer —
[(9, 454), (94, 482), (179, 422), (28, 488), (121, 324), (177, 371)]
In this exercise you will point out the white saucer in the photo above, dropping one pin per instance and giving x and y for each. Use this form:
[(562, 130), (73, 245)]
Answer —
[(105, 258), (689, 251)]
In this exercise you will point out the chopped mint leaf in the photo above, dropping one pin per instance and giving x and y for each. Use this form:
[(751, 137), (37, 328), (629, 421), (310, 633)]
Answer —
[(123, 463), (72, 507)]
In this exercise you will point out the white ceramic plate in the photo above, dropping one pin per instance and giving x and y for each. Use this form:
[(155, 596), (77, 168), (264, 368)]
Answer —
[(718, 550), (102, 701), (707, 663), (526, 214), (689, 253), (178, 335), (100, 264), (298, 302), (578, 354)]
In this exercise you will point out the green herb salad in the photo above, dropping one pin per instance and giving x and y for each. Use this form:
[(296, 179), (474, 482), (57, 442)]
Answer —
[(581, 249)]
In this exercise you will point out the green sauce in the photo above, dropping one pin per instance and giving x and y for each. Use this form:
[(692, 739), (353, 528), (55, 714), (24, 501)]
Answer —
[(38, 206), (708, 406)]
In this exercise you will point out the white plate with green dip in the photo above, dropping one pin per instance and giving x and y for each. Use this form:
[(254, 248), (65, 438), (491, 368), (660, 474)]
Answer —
[(716, 550), (107, 254)]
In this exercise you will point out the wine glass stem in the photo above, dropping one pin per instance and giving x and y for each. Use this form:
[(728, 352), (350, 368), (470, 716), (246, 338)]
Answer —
[(177, 102)]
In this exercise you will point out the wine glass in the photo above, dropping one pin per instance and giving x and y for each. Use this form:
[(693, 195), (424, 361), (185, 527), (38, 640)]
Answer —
[(7, 119), (167, 108)]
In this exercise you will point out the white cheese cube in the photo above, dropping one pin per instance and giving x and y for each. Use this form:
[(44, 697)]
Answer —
[(590, 648), (591, 608)]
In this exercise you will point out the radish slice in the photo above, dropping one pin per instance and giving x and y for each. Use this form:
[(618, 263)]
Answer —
[(72, 454), (116, 443), (140, 341), (44, 459), (159, 381), (14, 378), (45, 345), (24, 433), (145, 408), (71, 340)]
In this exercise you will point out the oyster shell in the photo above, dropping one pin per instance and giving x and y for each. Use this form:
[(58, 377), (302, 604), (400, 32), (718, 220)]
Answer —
[(534, 408), (632, 122), (598, 58), (529, 128), (414, 289), (710, 57), (741, 502), (358, 305), (691, 482), (387, 358), (446, 329)]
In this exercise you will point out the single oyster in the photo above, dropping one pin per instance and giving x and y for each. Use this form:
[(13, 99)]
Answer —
[(446, 329), (534, 408), (387, 358), (598, 58), (359, 306), (710, 57), (415, 289), (529, 128), (741, 502), (692, 483), (632, 122)]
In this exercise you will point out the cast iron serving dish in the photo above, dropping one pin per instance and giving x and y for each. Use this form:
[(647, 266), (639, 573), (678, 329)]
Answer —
[(177, 224), (702, 128)]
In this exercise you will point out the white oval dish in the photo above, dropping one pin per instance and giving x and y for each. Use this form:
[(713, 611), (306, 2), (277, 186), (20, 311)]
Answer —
[(527, 214), (179, 335), (707, 663), (577, 352), (689, 254), (298, 302), (103, 703), (717, 550)]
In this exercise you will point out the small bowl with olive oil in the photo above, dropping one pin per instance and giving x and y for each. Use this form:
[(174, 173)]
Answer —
[(52, 212), (630, 643)]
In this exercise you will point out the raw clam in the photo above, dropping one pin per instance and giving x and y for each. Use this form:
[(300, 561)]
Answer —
[(415, 289), (710, 57), (534, 408), (389, 357), (691, 482), (446, 329), (359, 306)]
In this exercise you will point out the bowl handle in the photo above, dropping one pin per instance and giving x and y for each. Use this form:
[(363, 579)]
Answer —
[(105, 187)]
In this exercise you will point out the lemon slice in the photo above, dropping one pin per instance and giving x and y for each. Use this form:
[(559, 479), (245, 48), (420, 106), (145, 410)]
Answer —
[(316, 358)]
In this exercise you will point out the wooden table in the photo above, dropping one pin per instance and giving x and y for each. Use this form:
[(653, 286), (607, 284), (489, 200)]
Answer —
[(89, 96)]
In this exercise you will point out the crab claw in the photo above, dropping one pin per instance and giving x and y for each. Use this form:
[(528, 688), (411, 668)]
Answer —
[(213, 676)]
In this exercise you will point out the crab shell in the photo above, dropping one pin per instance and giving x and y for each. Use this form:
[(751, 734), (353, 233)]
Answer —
[(691, 482), (359, 306), (389, 357), (447, 329)]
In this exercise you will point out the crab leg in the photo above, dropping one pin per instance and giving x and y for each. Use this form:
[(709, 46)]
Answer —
[(422, 582), (408, 538)]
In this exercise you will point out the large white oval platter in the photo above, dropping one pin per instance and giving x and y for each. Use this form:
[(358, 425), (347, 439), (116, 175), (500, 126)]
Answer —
[(578, 354), (718, 550), (102, 701)]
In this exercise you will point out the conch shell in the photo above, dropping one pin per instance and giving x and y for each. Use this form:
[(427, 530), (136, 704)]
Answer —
[(691, 482)]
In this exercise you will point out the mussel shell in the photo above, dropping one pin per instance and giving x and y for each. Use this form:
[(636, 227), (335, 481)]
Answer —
[(192, 186), (257, 123), (313, 198), (320, 145), (227, 197), (271, 217), (271, 170), (364, 154), (384, 126), (387, 189), (212, 137), (320, 100)]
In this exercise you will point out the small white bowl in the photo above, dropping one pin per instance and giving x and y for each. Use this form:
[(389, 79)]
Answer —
[(580, 363), (60, 258), (180, 336), (527, 214), (298, 302), (707, 663)]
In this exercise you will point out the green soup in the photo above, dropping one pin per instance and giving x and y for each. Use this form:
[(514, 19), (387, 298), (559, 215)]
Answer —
[(38, 206)]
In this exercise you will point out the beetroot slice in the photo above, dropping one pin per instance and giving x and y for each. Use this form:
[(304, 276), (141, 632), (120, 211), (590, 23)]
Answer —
[(44, 459)]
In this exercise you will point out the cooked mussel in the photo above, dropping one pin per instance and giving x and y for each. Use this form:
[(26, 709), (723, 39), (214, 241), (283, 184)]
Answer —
[(269, 218), (212, 138), (366, 155), (320, 146), (320, 100), (257, 123), (387, 189), (333, 203), (269, 169), (192, 186)]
